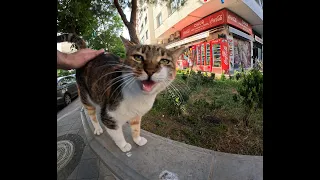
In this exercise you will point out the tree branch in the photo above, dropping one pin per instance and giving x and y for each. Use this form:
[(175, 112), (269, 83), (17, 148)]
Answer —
[(133, 16), (122, 15)]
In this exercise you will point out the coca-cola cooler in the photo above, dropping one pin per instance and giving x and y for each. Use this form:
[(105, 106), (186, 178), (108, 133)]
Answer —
[(212, 56)]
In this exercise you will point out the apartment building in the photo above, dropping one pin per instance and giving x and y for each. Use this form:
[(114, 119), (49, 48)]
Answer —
[(145, 25), (205, 25)]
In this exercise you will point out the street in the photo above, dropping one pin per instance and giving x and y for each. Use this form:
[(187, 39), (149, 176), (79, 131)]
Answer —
[(75, 160)]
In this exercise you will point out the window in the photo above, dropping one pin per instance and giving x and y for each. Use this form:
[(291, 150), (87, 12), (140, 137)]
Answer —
[(216, 54), (145, 20), (63, 81), (146, 34), (159, 20), (169, 9), (142, 40), (202, 54), (175, 4), (72, 79), (207, 54), (141, 27)]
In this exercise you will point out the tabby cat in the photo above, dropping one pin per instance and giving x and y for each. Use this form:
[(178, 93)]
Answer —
[(116, 91)]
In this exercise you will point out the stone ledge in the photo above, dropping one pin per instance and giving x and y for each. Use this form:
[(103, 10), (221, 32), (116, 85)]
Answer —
[(159, 154)]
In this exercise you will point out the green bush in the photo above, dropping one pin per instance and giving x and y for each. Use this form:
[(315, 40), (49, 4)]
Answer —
[(213, 75), (251, 92), (184, 77), (223, 77)]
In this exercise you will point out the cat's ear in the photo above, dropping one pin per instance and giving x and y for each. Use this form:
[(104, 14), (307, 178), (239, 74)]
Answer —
[(177, 52), (127, 44)]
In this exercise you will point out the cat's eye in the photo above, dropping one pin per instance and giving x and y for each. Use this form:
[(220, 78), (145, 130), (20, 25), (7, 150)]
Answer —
[(138, 57), (164, 61)]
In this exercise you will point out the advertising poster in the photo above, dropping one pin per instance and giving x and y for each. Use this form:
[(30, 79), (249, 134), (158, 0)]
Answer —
[(242, 53), (231, 55)]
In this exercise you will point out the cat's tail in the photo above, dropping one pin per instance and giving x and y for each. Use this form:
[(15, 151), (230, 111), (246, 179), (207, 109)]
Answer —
[(72, 38)]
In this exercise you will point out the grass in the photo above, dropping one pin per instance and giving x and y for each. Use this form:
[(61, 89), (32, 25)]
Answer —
[(212, 119)]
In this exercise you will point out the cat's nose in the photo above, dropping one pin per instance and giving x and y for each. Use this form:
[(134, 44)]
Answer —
[(150, 72)]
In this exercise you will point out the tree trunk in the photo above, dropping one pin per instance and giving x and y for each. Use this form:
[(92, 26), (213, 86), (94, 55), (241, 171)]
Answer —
[(133, 34), (132, 24)]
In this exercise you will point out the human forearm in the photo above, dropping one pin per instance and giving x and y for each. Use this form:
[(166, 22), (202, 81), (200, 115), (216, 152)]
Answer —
[(61, 58)]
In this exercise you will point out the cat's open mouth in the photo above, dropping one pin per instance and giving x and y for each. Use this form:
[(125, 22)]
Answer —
[(147, 85)]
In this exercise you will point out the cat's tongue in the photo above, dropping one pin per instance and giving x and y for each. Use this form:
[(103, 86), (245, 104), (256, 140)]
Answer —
[(147, 85)]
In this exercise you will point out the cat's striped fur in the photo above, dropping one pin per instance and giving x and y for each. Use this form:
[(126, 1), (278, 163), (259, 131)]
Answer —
[(116, 91)]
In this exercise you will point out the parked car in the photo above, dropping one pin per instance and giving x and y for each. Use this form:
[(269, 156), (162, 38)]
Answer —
[(66, 90)]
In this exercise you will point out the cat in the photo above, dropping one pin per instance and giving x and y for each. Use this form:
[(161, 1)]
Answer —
[(116, 91)]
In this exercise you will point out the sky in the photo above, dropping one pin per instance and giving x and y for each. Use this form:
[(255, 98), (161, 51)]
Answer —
[(125, 32)]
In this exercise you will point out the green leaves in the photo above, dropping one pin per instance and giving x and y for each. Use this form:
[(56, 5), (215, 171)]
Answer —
[(251, 91)]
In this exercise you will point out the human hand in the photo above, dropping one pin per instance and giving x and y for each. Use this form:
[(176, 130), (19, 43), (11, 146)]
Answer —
[(77, 59)]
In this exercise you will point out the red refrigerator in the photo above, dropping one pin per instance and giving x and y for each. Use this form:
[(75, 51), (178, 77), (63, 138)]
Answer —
[(220, 56), (212, 56)]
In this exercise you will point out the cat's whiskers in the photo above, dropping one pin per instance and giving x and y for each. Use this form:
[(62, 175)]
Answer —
[(177, 91), (108, 74), (130, 80), (126, 79), (178, 80), (174, 89), (115, 64), (113, 83)]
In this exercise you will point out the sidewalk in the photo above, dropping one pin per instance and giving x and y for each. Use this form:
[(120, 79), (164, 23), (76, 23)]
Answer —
[(83, 163), (146, 162), (160, 154)]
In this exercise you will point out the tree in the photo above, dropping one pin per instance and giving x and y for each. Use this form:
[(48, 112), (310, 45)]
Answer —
[(108, 37), (131, 25), (82, 17), (94, 20)]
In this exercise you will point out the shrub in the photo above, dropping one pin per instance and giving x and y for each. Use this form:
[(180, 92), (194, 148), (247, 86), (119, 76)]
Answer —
[(223, 77), (251, 92), (184, 77), (213, 75)]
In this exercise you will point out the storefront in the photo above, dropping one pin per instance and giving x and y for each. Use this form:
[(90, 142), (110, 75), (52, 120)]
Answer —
[(257, 47), (225, 43)]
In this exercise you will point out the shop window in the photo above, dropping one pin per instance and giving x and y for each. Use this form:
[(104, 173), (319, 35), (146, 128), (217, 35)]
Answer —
[(198, 55), (202, 54), (216, 51), (208, 54)]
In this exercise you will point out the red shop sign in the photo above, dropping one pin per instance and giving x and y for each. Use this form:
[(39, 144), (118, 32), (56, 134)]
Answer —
[(221, 17), (212, 20), (238, 22)]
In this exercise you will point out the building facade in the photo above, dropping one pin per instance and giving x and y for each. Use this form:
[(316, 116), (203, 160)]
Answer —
[(204, 26), (145, 25)]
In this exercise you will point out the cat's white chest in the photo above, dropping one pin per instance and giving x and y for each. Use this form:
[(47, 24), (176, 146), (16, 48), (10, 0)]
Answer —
[(132, 106)]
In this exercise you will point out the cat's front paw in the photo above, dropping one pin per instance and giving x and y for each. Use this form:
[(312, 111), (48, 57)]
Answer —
[(98, 130), (125, 148), (140, 141)]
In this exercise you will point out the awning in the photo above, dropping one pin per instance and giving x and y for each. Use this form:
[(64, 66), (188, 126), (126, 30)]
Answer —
[(189, 39), (240, 33)]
